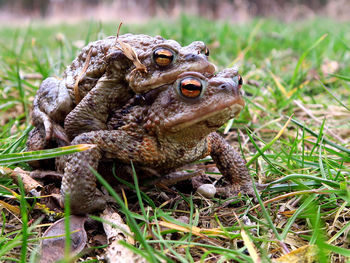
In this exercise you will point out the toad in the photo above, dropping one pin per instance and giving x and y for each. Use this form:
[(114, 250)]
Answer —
[(171, 126), (104, 78)]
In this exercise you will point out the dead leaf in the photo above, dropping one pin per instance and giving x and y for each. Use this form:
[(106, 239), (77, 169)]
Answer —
[(130, 53), (53, 244), (304, 254), (117, 230), (30, 185)]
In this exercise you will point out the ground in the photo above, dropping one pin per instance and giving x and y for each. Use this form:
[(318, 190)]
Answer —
[(299, 69)]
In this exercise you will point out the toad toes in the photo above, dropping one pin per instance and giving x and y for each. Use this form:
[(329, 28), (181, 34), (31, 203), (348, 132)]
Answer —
[(108, 81), (174, 126)]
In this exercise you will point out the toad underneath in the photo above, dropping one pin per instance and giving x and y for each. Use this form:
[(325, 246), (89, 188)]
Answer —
[(171, 126)]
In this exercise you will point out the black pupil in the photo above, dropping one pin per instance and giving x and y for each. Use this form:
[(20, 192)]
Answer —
[(240, 81), (206, 51), (163, 54), (192, 87)]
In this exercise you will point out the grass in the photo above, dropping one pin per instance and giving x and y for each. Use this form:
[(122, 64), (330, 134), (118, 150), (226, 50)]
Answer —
[(301, 68)]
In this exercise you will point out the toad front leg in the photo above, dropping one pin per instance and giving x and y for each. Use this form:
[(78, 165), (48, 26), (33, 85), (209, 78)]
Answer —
[(230, 164), (91, 113), (78, 180)]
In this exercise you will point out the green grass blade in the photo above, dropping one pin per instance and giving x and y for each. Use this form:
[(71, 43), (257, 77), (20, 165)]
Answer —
[(13, 146), (132, 186), (6, 159), (339, 147), (319, 137), (308, 177), (24, 215), (334, 97), (137, 188), (67, 244), (321, 163), (339, 250), (131, 221), (345, 229), (264, 211), (267, 146), (303, 56), (346, 78), (291, 220)]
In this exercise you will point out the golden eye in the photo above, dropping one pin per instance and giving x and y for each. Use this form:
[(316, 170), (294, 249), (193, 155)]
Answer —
[(190, 87), (206, 51), (163, 57), (240, 81)]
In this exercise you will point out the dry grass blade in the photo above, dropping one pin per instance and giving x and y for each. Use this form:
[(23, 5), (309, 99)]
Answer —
[(248, 243), (13, 209), (130, 53), (279, 85), (194, 230), (6, 188), (304, 192), (76, 85)]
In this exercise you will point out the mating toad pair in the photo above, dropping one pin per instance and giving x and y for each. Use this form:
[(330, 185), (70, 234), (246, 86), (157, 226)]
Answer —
[(161, 116)]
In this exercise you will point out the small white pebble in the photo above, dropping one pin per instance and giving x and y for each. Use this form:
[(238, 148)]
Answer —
[(207, 190)]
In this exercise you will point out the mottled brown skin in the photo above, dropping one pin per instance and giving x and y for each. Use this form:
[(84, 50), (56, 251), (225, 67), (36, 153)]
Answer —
[(163, 133), (108, 83)]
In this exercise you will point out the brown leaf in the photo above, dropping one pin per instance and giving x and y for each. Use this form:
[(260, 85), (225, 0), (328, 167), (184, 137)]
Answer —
[(304, 254), (30, 185), (130, 53), (53, 244), (117, 230)]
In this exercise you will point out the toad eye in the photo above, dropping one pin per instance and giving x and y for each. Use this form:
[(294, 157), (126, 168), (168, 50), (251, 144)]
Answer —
[(163, 56), (240, 81), (190, 88), (206, 51)]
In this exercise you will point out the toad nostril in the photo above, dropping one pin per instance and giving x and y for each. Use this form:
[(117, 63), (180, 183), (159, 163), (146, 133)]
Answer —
[(190, 57), (223, 86)]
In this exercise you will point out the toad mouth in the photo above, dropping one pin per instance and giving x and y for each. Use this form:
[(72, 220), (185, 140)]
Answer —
[(207, 114)]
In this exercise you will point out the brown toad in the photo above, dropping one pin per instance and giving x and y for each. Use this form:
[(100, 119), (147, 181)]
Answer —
[(175, 125), (108, 81)]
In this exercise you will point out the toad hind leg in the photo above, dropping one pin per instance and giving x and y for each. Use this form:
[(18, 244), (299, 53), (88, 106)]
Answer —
[(78, 181), (230, 164)]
